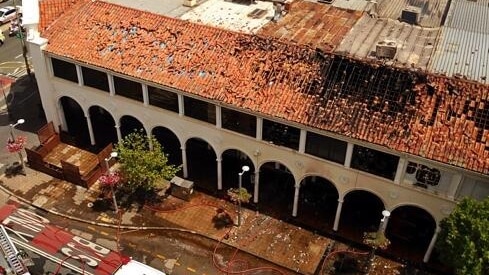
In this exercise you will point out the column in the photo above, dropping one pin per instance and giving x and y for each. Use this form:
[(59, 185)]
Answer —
[(302, 141), (145, 95), (338, 214), (257, 186), (118, 129), (90, 130), (455, 182), (349, 153), (401, 170), (184, 161), (150, 141), (219, 173), (110, 78), (61, 116), (181, 106), (427, 255), (296, 199), (218, 117), (259, 128), (79, 74)]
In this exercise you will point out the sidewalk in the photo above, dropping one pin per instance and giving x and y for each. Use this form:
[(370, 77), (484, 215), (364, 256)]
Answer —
[(297, 249)]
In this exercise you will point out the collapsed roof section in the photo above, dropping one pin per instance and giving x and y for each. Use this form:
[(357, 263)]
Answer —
[(434, 117)]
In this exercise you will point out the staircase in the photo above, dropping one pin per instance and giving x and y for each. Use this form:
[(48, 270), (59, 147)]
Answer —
[(10, 253)]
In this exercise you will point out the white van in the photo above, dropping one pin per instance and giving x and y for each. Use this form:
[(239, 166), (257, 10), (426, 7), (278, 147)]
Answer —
[(137, 268)]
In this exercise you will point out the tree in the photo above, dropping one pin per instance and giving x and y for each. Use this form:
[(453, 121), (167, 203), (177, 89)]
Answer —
[(463, 241), (143, 168)]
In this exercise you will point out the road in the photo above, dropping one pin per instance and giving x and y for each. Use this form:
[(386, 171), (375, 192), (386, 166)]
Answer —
[(11, 59)]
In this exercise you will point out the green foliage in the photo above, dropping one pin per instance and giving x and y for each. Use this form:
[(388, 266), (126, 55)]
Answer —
[(239, 194), (376, 239), (463, 241), (141, 167)]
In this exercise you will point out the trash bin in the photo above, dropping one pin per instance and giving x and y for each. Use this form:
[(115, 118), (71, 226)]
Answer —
[(181, 188)]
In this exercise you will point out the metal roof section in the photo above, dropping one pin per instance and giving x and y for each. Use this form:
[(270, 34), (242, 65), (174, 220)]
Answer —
[(412, 46), (358, 5), (462, 54), (431, 11), (172, 8), (469, 15), (231, 16)]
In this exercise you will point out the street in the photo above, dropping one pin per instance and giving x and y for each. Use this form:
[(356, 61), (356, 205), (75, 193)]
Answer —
[(12, 62)]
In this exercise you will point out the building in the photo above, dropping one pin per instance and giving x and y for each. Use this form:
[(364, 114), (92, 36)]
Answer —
[(335, 124)]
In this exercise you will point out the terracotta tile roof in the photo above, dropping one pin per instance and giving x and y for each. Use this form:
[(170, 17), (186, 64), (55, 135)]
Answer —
[(50, 10), (434, 117), (314, 24)]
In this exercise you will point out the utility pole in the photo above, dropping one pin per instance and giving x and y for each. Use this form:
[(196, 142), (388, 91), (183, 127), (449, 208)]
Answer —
[(20, 34)]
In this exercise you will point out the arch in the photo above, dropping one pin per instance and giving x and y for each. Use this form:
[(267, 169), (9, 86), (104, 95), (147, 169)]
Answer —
[(130, 124), (410, 229), (276, 190), (76, 122), (232, 162), (201, 164), (361, 212), (170, 143), (103, 125), (318, 200)]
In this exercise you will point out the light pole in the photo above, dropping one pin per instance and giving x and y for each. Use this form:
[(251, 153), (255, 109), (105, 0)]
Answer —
[(244, 169), (12, 136), (112, 155), (383, 222)]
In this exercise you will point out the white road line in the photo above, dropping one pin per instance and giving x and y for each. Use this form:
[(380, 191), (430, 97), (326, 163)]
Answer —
[(19, 56)]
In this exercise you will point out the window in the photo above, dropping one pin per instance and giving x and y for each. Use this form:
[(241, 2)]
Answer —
[(128, 88), (374, 162), (200, 110), (238, 122), (326, 147), (64, 70), (163, 99), (281, 134), (95, 79)]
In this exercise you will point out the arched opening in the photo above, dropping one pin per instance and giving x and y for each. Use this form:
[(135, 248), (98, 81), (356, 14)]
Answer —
[(201, 165), (130, 124), (103, 125), (276, 194), (76, 122), (410, 230), (318, 200), (232, 162), (170, 143), (361, 213)]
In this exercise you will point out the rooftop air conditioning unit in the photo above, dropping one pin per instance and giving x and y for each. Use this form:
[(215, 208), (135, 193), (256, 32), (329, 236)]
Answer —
[(386, 49), (411, 15)]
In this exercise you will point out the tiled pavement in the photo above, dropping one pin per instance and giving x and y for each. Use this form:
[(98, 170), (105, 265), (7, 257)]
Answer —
[(278, 242)]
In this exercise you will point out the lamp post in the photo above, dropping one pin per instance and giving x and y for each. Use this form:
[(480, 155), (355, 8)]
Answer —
[(12, 136), (112, 155), (383, 222), (244, 169)]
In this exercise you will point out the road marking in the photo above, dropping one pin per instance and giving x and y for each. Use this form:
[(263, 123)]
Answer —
[(19, 56), (104, 233), (191, 269), (160, 256), (91, 228), (177, 263)]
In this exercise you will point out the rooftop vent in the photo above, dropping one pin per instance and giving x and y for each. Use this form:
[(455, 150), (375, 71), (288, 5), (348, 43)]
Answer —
[(386, 49), (411, 15)]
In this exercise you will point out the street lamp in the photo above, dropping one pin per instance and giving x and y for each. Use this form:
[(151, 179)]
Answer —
[(12, 126), (112, 155), (383, 222), (244, 169)]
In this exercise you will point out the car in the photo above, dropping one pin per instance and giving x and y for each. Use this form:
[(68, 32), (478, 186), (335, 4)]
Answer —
[(9, 13)]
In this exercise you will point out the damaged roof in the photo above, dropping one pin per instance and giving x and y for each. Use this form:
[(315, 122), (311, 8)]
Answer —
[(438, 118), (314, 24)]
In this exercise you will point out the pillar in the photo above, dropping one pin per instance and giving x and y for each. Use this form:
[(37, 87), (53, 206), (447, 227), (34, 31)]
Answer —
[(302, 141), (118, 129), (79, 74), (219, 173), (257, 186), (218, 117), (338, 214), (401, 170), (90, 130), (110, 79), (145, 95), (427, 255), (184, 161), (259, 128), (61, 116), (296, 199), (181, 105), (349, 154)]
